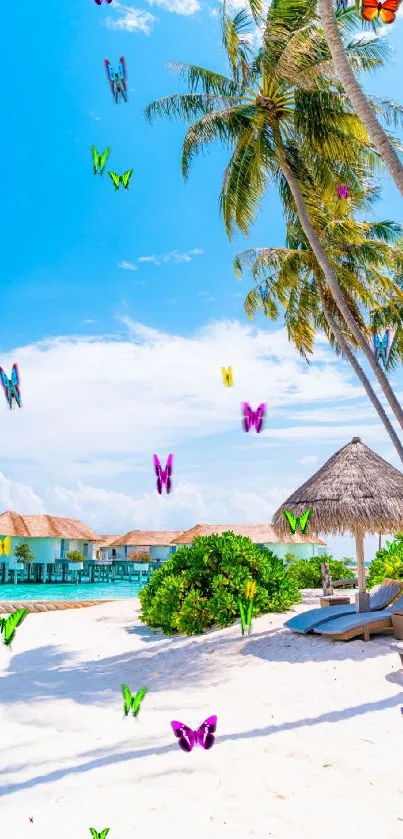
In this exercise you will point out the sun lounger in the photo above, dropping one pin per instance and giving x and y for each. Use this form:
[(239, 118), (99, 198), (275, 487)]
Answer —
[(365, 623), (380, 596), (345, 582)]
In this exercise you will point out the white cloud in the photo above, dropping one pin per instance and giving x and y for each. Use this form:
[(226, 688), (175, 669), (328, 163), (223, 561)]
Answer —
[(130, 19), (100, 396), (188, 504), (179, 7), (127, 266), (19, 497), (308, 459), (96, 409), (173, 256), (89, 320)]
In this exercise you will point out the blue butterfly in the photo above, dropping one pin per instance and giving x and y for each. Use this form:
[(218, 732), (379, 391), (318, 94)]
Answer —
[(11, 386), (381, 346), (264, 291)]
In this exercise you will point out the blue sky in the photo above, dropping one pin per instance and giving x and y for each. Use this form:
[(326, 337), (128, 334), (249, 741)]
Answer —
[(121, 307)]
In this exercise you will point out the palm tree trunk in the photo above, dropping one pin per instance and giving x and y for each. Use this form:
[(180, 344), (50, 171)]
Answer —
[(357, 97), (359, 372), (331, 278)]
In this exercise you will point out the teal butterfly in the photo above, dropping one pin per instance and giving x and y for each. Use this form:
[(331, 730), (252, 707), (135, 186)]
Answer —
[(101, 834), (298, 521), (121, 179), (8, 626), (132, 702), (99, 160)]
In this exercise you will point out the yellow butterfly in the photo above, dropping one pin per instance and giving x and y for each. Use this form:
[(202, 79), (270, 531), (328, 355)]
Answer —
[(5, 546), (227, 376)]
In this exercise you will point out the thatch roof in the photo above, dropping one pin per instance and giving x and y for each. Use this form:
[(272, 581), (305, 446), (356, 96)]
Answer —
[(106, 541), (13, 524), (356, 488), (260, 534), (147, 538)]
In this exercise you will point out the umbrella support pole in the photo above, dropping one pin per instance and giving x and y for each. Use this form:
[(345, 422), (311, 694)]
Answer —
[(362, 597)]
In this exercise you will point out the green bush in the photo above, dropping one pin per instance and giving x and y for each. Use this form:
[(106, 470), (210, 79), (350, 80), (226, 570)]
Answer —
[(74, 556), (200, 585), (24, 553), (306, 572), (388, 562)]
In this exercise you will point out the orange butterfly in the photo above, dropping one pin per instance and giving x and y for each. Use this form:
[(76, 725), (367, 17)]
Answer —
[(371, 9)]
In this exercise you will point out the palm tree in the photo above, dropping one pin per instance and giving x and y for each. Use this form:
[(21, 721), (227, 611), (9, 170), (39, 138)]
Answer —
[(363, 107), (289, 278), (366, 109), (258, 112)]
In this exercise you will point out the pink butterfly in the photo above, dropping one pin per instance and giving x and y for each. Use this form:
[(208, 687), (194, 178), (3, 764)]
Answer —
[(253, 418), (204, 735), (343, 191), (163, 475)]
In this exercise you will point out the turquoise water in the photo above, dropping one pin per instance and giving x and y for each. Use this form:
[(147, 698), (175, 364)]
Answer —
[(68, 591)]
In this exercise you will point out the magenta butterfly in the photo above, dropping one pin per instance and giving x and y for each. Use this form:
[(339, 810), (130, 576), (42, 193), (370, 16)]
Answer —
[(163, 475), (253, 418), (342, 191), (204, 735)]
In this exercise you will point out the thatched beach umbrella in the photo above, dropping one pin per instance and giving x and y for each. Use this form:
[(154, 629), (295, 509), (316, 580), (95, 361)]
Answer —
[(356, 491)]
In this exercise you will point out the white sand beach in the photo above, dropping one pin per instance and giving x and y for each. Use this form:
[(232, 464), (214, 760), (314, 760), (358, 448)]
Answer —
[(309, 738)]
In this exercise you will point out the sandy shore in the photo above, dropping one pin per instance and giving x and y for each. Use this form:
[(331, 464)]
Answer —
[(309, 740)]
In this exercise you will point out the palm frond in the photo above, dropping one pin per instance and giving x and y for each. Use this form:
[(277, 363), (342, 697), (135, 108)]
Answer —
[(209, 82), (187, 106)]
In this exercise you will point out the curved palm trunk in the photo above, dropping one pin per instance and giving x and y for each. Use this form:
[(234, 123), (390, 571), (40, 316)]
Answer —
[(360, 373), (356, 95), (331, 278)]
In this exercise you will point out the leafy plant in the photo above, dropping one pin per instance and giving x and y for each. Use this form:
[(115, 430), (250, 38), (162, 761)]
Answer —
[(24, 553), (200, 585), (141, 556), (74, 556), (306, 572), (388, 562)]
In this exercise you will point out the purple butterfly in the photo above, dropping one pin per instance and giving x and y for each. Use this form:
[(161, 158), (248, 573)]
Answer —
[(253, 418), (99, 2), (204, 735), (342, 191), (163, 475)]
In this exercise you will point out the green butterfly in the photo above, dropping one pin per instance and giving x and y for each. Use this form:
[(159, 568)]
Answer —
[(9, 625), (101, 834), (131, 701), (121, 179), (298, 521), (99, 160)]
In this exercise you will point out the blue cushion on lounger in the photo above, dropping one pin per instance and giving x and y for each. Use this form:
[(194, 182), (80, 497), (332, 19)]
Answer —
[(342, 624), (380, 596)]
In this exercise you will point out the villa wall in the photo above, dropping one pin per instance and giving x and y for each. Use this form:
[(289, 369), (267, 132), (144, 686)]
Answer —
[(301, 551), (48, 549)]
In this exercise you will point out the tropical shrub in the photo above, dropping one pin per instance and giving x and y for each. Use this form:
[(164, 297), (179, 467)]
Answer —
[(306, 572), (388, 562), (200, 585), (74, 556), (141, 556), (24, 553)]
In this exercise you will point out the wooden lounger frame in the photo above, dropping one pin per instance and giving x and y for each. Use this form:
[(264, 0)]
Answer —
[(365, 629)]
